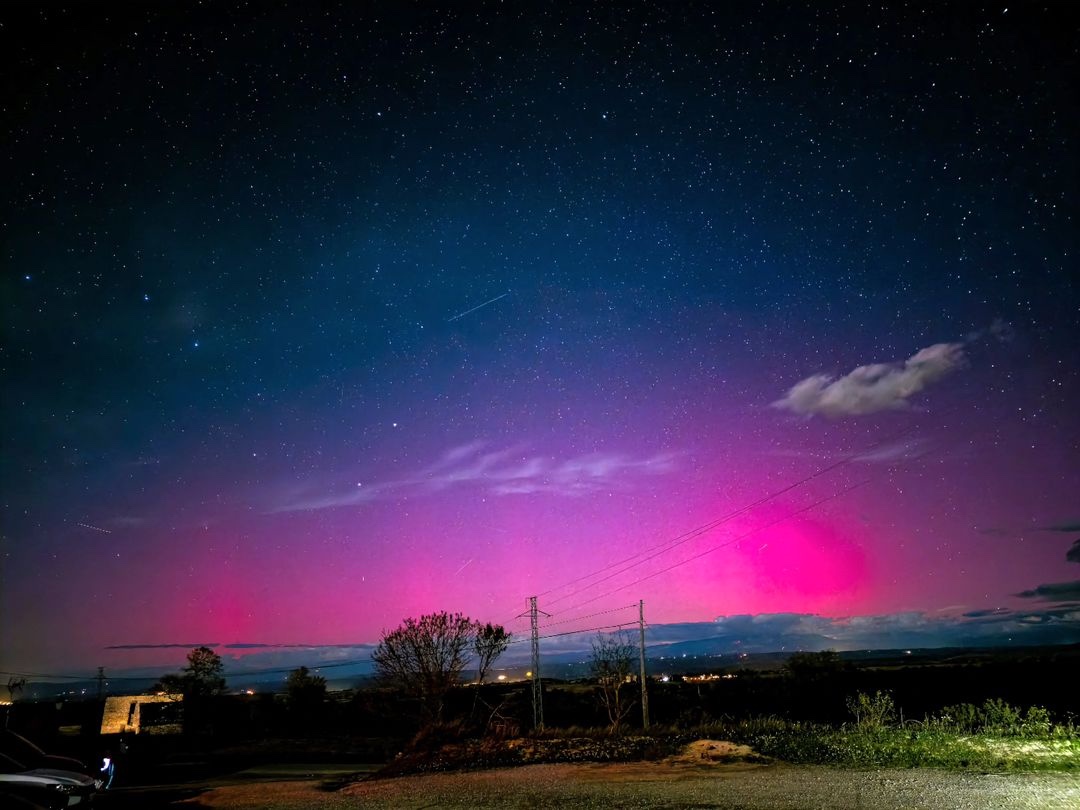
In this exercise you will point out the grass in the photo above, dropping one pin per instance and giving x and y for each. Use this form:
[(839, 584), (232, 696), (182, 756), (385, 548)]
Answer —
[(992, 737), (915, 745)]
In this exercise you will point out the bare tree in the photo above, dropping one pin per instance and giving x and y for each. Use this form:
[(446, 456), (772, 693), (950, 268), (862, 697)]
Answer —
[(425, 657), (612, 663), (490, 642)]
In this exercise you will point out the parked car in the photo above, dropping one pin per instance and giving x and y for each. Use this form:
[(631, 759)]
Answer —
[(23, 750), (47, 787)]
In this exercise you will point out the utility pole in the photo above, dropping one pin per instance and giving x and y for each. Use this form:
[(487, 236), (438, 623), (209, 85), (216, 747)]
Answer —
[(644, 689), (537, 690), (100, 683)]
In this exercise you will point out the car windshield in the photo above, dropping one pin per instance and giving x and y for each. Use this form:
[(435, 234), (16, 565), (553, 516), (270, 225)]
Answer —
[(19, 746), (9, 765)]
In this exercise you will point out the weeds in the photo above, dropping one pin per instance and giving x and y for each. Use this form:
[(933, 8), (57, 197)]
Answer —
[(994, 736), (872, 712), (997, 717)]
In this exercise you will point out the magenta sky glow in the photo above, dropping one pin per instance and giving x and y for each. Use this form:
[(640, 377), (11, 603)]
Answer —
[(313, 322)]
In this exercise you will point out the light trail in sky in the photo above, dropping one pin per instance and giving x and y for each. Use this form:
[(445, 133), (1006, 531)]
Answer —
[(478, 306)]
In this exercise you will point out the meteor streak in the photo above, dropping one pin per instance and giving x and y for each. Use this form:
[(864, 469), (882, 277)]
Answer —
[(94, 528), (478, 306)]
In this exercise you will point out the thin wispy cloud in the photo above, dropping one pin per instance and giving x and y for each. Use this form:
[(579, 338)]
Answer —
[(1054, 592), (165, 646), (581, 475), (758, 633), (773, 632), (909, 450), (244, 658), (873, 388), (304, 500), (1068, 526), (503, 471), (893, 453), (1000, 330), (790, 631)]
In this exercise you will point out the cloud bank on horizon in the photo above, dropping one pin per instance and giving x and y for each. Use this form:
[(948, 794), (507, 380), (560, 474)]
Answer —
[(1054, 591), (873, 388), (757, 633)]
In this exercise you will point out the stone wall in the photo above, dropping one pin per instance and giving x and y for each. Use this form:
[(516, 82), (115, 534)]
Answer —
[(123, 714)]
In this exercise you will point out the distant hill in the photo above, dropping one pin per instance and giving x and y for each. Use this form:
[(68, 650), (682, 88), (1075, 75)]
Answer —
[(680, 658)]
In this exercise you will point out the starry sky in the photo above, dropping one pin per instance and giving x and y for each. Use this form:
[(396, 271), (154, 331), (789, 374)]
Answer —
[(318, 316)]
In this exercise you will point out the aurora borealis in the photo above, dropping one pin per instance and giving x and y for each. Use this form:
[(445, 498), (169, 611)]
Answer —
[(320, 316)]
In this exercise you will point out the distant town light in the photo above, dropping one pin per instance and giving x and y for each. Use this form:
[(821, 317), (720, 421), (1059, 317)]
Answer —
[(502, 677)]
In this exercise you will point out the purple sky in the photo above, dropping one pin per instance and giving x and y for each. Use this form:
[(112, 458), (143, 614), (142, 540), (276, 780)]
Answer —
[(316, 321)]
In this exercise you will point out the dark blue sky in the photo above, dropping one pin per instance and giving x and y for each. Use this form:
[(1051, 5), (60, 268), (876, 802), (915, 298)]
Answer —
[(708, 252)]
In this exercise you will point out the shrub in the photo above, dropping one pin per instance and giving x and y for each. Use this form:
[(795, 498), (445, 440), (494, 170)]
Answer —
[(999, 716), (995, 716), (872, 712)]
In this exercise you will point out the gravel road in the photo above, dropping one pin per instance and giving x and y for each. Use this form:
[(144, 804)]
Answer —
[(664, 785)]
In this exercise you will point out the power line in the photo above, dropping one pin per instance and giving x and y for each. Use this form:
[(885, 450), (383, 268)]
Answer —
[(240, 674), (576, 632), (589, 615), (693, 533), (678, 540), (687, 536), (55, 677), (589, 630), (733, 540)]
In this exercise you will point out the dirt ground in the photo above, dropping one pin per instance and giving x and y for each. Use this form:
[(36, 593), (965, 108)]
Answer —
[(692, 781)]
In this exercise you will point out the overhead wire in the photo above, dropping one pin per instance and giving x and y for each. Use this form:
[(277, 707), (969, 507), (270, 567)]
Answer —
[(645, 555), (664, 547), (658, 550), (687, 536), (587, 616), (727, 543), (576, 632)]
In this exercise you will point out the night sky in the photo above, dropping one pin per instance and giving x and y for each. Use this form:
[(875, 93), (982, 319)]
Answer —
[(319, 316)]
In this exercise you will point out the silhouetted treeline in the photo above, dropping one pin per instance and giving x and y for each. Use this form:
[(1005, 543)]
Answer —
[(376, 721)]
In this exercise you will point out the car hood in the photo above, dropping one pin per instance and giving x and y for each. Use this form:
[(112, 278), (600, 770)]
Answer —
[(27, 778), (54, 776)]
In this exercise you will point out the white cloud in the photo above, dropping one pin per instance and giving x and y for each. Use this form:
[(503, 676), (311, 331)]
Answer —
[(303, 502), (502, 472), (898, 451), (908, 450), (873, 388)]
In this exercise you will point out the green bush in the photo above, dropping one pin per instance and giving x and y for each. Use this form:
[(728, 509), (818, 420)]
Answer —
[(872, 712), (995, 716), (959, 717), (1037, 722)]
